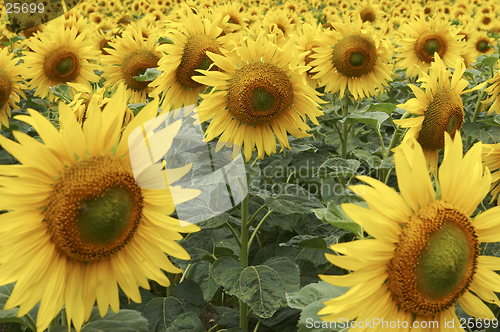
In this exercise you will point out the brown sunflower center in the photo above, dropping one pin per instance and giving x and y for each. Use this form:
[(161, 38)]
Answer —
[(259, 92), (62, 65), (444, 113), (435, 260), (428, 43), (354, 56), (94, 209), (5, 88), (195, 57), (367, 14), (482, 46), (135, 64)]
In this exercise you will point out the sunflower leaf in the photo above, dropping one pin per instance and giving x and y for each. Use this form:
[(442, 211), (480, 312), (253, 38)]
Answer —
[(335, 216), (374, 119), (149, 75), (384, 107), (63, 92), (262, 287), (10, 316)]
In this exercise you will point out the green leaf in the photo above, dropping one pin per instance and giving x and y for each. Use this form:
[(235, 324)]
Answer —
[(162, 312), (188, 322), (310, 300), (149, 75), (199, 272), (374, 119), (384, 107), (262, 287), (165, 40), (291, 199), (214, 222), (190, 295), (338, 167), (313, 293), (10, 316), (335, 216), (490, 61), (63, 92)]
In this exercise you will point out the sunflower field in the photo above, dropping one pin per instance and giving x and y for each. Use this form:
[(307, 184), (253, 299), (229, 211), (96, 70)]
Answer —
[(295, 165)]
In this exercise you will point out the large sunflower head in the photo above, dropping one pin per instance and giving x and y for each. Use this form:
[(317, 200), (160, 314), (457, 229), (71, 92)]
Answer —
[(76, 212), (351, 57), (421, 39), (424, 256), (260, 93), (191, 41), (439, 108), (58, 57), (130, 56), (11, 85)]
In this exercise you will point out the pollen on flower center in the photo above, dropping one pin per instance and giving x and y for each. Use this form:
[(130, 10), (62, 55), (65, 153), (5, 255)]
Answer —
[(435, 260), (258, 92), (5, 88), (195, 57), (94, 209), (354, 56), (62, 65), (135, 64), (444, 113), (429, 43)]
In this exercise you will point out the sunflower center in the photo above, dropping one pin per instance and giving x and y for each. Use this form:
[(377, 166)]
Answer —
[(444, 113), (62, 65), (135, 64), (435, 260), (259, 92), (94, 209), (431, 46), (354, 56), (5, 88), (195, 57), (367, 14), (482, 46), (428, 43)]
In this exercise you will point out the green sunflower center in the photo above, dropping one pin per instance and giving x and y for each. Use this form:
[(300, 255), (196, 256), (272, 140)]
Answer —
[(94, 209), (431, 46), (354, 56), (259, 92), (435, 260), (482, 46), (136, 63), (5, 88), (428, 43), (62, 65), (443, 263), (103, 219), (444, 113), (195, 57)]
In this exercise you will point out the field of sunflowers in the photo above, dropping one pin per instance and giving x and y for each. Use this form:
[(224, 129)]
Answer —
[(172, 165)]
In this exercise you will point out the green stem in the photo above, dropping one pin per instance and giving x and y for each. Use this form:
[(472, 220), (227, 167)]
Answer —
[(31, 322), (396, 137), (255, 215), (244, 258), (256, 326), (234, 233), (345, 129), (475, 116), (185, 273), (257, 228), (64, 318)]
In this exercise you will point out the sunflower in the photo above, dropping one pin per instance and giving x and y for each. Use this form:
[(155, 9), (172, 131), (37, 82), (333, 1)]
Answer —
[(491, 159), (424, 255), (421, 39), (193, 39), (130, 56), (305, 44), (76, 213), (58, 57), (439, 107), (370, 12), (351, 57), (259, 94), (11, 85), (493, 92), (481, 44)]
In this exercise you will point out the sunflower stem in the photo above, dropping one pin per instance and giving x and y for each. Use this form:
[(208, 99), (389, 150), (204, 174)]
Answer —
[(234, 233), (475, 116), (257, 228), (64, 318), (255, 215), (345, 132), (244, 258)]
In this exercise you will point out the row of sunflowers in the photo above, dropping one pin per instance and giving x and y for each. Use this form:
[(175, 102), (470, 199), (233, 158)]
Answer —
[(381, 204)]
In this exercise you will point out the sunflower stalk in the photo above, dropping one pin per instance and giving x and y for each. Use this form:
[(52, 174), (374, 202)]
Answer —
[(345, 132), (244, 258), (477, 110), (257, 228)]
